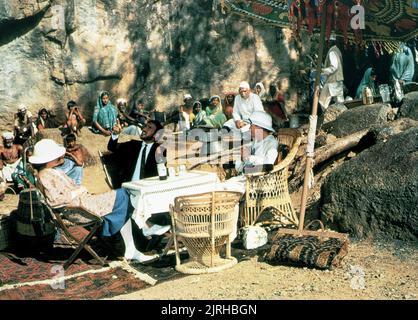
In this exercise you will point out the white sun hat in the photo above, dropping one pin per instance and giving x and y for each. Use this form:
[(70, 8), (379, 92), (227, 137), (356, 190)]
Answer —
[(45, 151), (262, 120), (244, 85)]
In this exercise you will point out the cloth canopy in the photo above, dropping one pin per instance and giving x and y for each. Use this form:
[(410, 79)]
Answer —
[(387, 22)]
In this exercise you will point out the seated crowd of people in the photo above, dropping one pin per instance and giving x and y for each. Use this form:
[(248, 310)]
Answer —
[(18, 144), (233, 110), (59, 169)]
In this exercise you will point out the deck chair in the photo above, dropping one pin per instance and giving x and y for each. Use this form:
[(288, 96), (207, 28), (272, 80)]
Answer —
[(66, 216), (83, 218), (270, 189)]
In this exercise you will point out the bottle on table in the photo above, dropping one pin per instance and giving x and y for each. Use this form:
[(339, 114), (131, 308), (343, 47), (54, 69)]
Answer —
[(367, 96), (161, 164)]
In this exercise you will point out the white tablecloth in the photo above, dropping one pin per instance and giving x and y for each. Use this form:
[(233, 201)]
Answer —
[(152, 195)]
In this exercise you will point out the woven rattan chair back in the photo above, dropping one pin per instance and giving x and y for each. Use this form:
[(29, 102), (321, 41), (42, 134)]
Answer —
[(270, 190), (204, 223)]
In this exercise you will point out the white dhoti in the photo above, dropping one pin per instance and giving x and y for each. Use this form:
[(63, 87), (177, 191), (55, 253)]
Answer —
[(335, 89), (236, 184)]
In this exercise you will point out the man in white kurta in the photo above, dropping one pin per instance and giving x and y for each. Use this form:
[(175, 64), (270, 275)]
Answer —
[(244, 105), (334, 85)]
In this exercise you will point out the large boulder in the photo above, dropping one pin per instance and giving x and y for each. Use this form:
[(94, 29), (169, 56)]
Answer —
[(334, 111), (386, 130), (409, 108), (67, 50), (375, 194), (358, 119)]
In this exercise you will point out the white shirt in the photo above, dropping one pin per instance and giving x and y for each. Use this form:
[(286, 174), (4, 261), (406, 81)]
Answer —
[(333, 59), (184, 123), (334, 88), (137, 171), (243, 108), (262, 152)]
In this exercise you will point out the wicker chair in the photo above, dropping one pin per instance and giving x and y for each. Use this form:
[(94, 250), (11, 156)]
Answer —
[(264, 190), (204, 224)]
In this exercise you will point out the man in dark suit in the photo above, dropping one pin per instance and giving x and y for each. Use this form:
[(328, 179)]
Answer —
[(138, 160), (130, 154)]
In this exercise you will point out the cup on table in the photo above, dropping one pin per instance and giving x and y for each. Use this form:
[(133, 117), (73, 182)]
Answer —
[(171, 172), (181, 169)]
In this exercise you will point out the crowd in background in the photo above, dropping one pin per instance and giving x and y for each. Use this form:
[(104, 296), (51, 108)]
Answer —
[(229, 111)]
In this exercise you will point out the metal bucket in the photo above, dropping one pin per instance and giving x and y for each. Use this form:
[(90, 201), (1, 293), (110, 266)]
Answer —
[(35, 228), (384, 92)]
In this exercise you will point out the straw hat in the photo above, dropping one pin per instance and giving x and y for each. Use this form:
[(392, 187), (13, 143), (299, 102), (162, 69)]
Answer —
[(262, 120), (45, 151)]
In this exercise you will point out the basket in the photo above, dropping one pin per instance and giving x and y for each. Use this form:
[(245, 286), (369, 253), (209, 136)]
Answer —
[(319, 249), (204, 223), (6, 228)]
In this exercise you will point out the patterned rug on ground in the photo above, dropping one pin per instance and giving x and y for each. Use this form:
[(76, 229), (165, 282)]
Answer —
[(17, 265), (33, 276), (89, 286)]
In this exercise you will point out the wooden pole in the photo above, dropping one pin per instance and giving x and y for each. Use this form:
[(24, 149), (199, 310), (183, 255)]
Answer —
[(313, 120)]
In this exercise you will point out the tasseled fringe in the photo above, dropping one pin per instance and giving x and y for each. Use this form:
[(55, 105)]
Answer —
[(295, 23)]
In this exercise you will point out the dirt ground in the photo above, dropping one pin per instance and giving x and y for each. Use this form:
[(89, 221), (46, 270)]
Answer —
[(371, 270)]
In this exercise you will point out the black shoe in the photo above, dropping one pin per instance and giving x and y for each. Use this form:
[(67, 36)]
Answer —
[(115, 245), (154, 243)]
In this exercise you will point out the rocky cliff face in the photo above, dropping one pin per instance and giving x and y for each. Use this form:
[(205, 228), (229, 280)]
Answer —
[(53, 51)]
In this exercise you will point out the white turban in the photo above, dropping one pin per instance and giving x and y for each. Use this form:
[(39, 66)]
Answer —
[(22, 107), (8, 135), (244, 85), (121, 100)]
